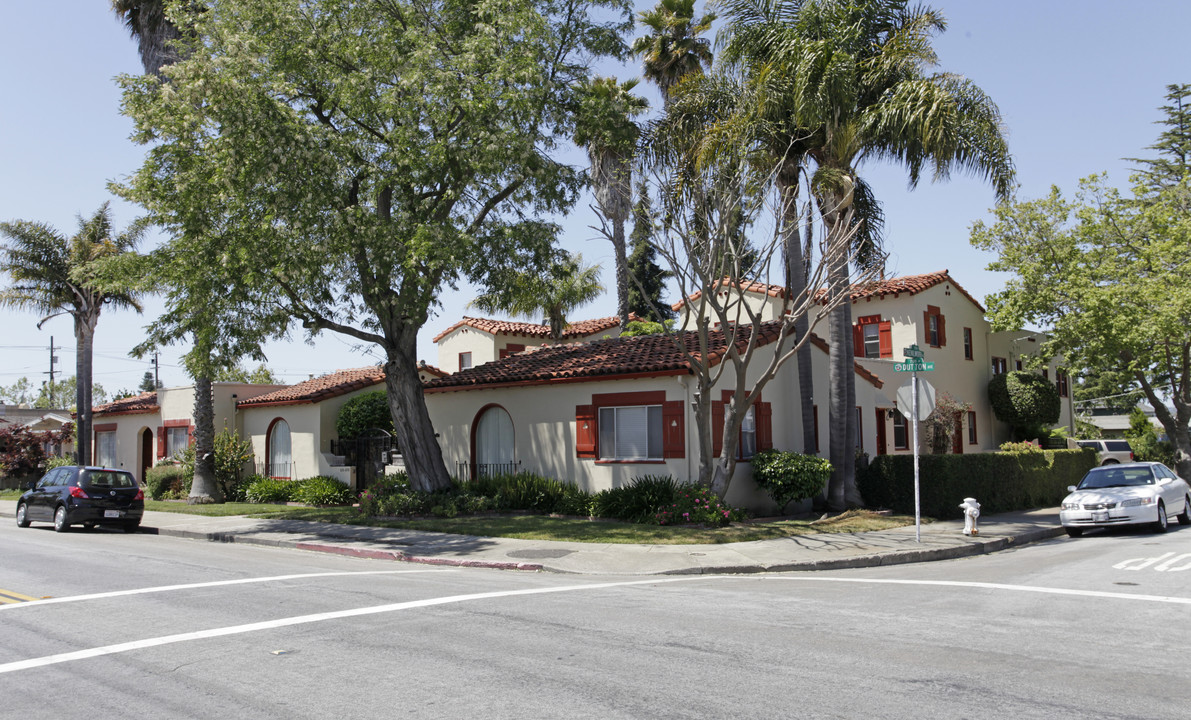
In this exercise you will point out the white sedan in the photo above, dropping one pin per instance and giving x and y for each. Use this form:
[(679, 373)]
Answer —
[(1127, 494)]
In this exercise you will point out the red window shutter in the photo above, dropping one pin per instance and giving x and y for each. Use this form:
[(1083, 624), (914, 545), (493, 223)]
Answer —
[(886, 335), (586, 431), (514, 347), (764, 415), (942, 331), (858, 340), (504, 353), (673, 429), (926, 328), (717, 428), (160, 442), (190, 435)]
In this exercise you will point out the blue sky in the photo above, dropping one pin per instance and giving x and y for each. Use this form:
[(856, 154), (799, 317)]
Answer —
[(1079, 90)]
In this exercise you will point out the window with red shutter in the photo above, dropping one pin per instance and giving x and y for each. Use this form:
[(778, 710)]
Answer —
[(673, 429), (586, 431)]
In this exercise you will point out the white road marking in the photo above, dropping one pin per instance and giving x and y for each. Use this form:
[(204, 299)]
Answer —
[(1168, 566), (305, 619), (998, 586), (430, 602), (191, 586)]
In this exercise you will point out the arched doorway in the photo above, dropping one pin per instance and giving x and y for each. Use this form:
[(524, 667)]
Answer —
[(493, 442), (146, 453)]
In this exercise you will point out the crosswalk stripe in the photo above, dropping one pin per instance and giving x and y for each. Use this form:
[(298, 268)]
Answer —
[(8, 596)]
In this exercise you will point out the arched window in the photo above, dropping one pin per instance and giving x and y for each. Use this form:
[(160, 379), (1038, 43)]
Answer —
[(281, 460), (494, 441)]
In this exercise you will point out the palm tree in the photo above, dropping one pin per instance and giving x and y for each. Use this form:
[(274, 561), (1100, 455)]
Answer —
[(154, 33), (849, 82), (605, 126), (54, 275), (567, 285), (673, 48), (148, 25)]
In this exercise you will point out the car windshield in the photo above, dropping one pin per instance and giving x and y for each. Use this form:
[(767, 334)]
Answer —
[(1116, 477), (107, 479)]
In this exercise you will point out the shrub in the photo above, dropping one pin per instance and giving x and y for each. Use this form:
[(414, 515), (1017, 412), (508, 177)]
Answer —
[(167, 481), (530, 492), (322, 490), (788, 476), (260, 489), (697, 505), (54, 462), (1026, 401), (364, 411), (1023, 446), (231, 454), (1001, 481), (637, 502)]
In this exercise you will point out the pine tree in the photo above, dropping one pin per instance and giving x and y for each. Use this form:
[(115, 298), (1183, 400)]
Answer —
[(647, 280), (1174, 143)]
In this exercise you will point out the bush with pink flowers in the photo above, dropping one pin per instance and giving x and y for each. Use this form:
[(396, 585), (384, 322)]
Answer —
[(697, 505)]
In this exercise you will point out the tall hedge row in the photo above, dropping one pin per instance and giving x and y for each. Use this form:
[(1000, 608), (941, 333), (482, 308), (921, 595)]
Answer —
[(1001, 481)]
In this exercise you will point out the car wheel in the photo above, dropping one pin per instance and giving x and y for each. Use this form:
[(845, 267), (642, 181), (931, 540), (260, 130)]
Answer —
[(1160, 526), (1073, 532), (22, 516), (60, 522), (1185, 516)]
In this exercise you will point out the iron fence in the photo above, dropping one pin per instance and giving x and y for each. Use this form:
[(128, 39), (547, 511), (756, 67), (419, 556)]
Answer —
[(275, 470), (474, 470)]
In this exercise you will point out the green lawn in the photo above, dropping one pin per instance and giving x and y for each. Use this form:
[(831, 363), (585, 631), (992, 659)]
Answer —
[(542, 527)]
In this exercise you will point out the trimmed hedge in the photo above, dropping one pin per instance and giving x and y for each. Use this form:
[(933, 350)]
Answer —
[(1002, 481)]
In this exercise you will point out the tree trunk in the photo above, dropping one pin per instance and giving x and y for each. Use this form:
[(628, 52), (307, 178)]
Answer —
[(622, 271), (851, 492), (411, 420), (796, 287), (840, 414), (203, 488), (84, 335)]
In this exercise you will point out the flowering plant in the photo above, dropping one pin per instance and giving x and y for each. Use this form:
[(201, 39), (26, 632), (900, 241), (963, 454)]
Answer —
[(697, 505)]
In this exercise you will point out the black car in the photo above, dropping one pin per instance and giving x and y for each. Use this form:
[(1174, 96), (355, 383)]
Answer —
[(73, 494)]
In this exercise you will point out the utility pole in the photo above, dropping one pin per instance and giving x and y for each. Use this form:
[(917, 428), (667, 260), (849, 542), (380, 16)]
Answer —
[(156, 371), (53, 359)]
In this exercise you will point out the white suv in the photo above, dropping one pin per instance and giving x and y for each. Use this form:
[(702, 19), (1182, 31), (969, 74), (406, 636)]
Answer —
[(1109, 452)]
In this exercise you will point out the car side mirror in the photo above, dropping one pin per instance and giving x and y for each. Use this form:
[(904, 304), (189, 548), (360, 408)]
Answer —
[(1070, 488), (28, 484)]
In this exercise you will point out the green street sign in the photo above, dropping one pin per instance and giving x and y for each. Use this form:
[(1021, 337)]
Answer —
[(913, 366), (914, 352)]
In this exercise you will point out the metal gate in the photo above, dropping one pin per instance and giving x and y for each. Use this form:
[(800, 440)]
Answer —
[(369, 455)]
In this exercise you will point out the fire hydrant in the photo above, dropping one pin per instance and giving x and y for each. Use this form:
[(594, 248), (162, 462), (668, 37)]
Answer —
[(971, 510)]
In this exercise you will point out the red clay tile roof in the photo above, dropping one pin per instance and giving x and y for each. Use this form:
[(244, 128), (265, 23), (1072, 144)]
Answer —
[(910, 284), (747, 286), (581, 328), (646, 355), (143, 403), (317, 389), (426, 367)]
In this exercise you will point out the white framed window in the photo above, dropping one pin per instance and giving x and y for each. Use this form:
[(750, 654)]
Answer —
[(464, 360), (177, 439), (631, 433), (105, 449)]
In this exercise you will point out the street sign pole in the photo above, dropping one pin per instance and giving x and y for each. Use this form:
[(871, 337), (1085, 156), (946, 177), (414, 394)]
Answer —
[(917, 503)]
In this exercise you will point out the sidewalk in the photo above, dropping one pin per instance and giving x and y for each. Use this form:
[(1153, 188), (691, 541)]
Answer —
[(940, 541)]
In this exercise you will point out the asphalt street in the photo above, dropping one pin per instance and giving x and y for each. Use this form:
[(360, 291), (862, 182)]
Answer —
[(141, 625)]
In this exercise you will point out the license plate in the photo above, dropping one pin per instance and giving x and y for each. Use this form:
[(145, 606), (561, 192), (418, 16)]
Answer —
[(112, 513), (1100, 517)]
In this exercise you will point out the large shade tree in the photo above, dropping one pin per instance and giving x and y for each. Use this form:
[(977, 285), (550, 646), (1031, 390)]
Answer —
[(860, 84), (348, 183), (52, 274)]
